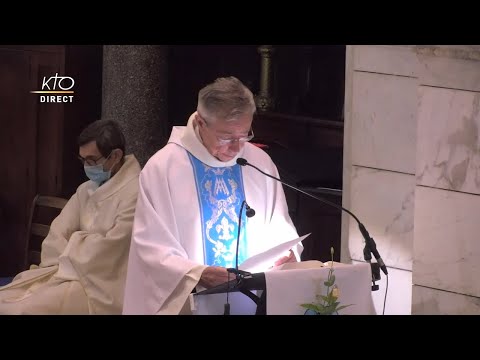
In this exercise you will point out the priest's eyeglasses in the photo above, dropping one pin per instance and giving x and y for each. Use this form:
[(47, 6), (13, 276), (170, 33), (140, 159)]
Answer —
[(223, 141), (92, 162)]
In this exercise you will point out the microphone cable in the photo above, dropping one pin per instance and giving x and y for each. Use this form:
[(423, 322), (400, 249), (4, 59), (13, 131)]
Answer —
[(385, 298)]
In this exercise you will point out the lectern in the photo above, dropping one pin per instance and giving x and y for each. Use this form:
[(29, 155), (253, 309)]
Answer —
[(282, 291)]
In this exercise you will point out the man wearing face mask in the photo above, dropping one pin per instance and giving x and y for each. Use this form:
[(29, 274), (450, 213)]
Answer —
[(84, 256)]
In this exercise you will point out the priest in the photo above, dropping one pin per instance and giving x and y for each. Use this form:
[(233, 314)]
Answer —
[(188, 210)]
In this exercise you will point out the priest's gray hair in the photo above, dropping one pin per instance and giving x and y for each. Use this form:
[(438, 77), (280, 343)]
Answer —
[(226, 99)]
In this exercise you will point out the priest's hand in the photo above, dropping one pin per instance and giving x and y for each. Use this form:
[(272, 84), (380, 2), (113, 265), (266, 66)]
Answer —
[(290, 257), (214, 275)]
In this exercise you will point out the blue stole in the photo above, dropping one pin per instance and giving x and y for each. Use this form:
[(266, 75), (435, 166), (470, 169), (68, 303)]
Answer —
[(220, 195)]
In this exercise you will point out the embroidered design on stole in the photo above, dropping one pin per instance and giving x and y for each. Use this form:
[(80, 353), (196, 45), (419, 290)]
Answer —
[(220, 195)]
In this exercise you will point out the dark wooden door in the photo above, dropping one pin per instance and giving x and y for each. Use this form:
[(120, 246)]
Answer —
[(17, 153), (38, 139)]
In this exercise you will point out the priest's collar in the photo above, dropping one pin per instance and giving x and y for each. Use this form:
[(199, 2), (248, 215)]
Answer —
[(189, 138)]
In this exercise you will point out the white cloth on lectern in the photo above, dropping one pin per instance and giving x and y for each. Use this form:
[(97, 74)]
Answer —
[(166, 255), (288, 289)]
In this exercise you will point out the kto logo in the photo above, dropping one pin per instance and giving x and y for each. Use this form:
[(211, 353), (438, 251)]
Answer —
[(56, 85)]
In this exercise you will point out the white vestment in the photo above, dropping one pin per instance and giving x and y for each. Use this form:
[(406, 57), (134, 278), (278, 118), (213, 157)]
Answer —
[(84, 256), (167, 252)]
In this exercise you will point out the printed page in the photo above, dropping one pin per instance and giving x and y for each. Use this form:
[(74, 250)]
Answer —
[(263, 261)]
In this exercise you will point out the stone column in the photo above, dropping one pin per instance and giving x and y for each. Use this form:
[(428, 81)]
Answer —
[(135, 95), (264, 99)]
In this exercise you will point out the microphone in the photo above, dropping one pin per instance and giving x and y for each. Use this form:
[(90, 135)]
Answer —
[(370, 246), (249, 212)]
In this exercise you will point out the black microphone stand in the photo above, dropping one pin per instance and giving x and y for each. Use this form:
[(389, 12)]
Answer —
[(370, 246), (240, 275)]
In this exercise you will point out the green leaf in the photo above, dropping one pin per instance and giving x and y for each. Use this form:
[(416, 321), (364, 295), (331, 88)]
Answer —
[(311, 307), (324, 311), (332, 279), (343, 307), (325, 298), (328, 283), (329, 309)]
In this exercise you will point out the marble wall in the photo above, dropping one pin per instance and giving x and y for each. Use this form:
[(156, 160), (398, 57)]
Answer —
[(411, 159), (379, 165), (446, 263)]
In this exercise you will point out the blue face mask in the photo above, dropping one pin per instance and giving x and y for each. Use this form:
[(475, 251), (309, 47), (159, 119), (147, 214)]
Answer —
[(97, 174)]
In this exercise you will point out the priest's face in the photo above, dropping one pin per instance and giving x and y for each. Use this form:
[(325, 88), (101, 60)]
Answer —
[(225, 139)]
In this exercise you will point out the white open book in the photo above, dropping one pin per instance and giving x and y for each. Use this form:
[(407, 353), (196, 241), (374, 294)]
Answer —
[(263, 261)]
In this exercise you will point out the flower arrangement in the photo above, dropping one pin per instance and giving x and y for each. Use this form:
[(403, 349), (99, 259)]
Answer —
[(326, 304)]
